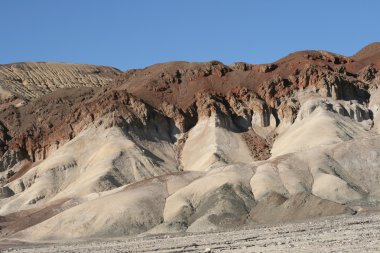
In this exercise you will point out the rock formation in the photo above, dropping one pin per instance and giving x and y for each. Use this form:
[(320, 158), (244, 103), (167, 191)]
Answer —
[(92, 151)]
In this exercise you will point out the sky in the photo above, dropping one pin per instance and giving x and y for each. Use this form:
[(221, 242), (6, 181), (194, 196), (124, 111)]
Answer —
[(137, 33)]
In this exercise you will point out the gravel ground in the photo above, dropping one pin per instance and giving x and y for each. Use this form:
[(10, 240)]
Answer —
[(360, 233)]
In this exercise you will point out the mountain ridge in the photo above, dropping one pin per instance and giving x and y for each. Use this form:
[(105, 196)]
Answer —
[(203, 146)]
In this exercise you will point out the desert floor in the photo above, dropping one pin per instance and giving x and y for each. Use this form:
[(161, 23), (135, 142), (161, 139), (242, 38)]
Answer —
[(359, 233)]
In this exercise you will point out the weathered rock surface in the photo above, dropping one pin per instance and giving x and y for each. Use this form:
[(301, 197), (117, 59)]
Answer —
[(34, 79), (186, 147)]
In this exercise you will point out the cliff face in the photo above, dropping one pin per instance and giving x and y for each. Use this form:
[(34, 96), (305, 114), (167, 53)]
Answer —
[(27, 117), (252, 96), (245, 131)]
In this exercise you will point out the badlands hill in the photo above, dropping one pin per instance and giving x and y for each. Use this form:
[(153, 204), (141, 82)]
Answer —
[(88, 151)]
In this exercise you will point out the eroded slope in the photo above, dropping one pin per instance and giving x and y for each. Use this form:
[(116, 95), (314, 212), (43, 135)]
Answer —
[(32, 79), (194, 147)]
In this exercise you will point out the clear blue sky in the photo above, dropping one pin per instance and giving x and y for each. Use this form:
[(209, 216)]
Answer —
[(137, 33)]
